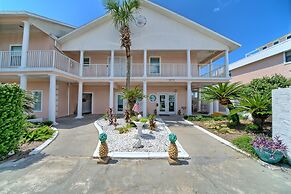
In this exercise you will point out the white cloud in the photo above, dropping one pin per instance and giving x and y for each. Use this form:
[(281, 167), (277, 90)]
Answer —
[(217, 9)]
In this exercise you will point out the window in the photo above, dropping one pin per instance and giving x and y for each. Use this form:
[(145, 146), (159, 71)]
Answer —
[(276, 42), (288, 37), (288, 56), (37, 94), (264, 47), (155, 63), (15, 56), (86, 61)]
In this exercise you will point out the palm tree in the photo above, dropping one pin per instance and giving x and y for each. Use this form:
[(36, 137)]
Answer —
[(258, 105), (224, 93), (122, 13)]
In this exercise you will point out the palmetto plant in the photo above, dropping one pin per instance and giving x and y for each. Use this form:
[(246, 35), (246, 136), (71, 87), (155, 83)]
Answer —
[(132, 96), (258, 105), (224, 93), (122, 12)]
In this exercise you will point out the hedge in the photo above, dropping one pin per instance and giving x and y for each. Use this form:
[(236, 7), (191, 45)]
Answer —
[(11, 117)]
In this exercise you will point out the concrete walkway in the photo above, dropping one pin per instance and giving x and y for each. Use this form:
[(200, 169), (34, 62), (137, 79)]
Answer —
[(214, 168)]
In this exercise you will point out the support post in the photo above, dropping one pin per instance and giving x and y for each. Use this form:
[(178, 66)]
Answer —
[(69, 97), (199, 100), (112, 64), (211, 107), (52, 98), (23, 81), (189, 63), (80, 96), (81, 63), (145, 63), (189, 98), (144, 99), (25, 43), (111, 91), (226, 63)]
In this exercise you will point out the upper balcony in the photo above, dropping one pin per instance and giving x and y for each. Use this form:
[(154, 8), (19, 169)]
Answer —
[(52, 60), (38, 60)]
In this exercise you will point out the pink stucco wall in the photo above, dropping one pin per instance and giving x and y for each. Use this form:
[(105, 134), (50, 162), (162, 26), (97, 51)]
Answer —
[(266, 67)]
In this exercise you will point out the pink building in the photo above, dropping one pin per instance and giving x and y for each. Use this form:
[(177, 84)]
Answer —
[(269, 59), (82, 70)]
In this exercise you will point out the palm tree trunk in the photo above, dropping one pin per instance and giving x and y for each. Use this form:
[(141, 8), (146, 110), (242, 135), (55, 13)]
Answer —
[(128, 65)]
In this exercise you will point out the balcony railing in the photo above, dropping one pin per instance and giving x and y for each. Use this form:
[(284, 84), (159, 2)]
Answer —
[(167, 70), (40, 59), (96, 70), (215, 73)]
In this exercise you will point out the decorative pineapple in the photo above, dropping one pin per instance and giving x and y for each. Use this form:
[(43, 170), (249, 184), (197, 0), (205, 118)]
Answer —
[(103, 149), (173, 150)]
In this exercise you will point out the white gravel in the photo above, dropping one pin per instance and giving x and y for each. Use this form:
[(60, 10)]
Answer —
[(155, 142)]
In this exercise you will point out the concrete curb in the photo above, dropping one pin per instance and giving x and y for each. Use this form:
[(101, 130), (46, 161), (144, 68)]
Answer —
[(139, 155), (46, 143), (229, 144)]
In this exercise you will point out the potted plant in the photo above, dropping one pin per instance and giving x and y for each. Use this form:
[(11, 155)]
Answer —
[(269, 150)]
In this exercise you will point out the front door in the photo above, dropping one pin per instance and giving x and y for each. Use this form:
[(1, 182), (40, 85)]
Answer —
[(167, 103), (119, 103), (87, 103)]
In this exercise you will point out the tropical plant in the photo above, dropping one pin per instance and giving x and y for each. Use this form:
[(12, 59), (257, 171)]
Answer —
[(152, 123), (122, 13), (132, 96), (258, 105), (37, 134), (224, 93), (265, 85)]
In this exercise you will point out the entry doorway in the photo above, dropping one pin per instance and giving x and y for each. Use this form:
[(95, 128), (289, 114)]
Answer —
[(167, 103), (119, 103), (87, 103)]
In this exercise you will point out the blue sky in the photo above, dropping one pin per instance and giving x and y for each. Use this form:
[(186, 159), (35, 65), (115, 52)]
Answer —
[(248, 22)]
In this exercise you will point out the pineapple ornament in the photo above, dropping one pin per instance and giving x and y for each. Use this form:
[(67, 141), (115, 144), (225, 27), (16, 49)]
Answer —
[(173, 150), (103, 150)]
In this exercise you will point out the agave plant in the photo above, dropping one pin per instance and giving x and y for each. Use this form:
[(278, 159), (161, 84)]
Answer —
[(122, 13), (224, 93), (258, 105)]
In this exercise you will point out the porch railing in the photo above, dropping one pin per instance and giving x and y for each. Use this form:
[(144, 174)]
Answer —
[(40, 59), (96, 70), (167, 70), (215, 73)]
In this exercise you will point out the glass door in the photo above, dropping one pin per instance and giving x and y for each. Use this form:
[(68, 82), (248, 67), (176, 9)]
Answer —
[(15, 56), (162, 103), (119, 103), (172, 103)]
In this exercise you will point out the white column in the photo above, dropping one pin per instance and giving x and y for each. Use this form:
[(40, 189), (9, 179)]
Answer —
[(80, 97), (144, 107), (69, 97), (25, 43), (216, 106), (211, 107), (199, 100), (145, 63), (23, 81), (210, 68), (112, 64), (226, 63), (52, 98), (189, 98), (189, 62), (81, 62), (111, 91)]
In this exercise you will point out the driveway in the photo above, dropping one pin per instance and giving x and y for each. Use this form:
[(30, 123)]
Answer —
[(214, 168)]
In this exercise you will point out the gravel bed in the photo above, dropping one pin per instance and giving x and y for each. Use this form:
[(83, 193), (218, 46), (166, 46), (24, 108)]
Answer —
[(157, 141)]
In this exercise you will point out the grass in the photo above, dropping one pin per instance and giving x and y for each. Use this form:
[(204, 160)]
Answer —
[(205, 118), (244, 143)]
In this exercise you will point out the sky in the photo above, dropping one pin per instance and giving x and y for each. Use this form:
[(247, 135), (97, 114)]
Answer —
[(251, 23)]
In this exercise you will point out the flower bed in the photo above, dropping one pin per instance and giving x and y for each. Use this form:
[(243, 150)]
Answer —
[(154, 143)]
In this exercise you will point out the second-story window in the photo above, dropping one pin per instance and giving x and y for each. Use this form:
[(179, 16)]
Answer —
[(288, 56), (86, 61), (155, 65)]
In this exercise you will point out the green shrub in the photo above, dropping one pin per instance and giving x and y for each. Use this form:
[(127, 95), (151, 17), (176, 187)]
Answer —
[(11, 117), (252, 127), (31, 117), (124, 129), (143, 120), (47, 123), (244, 143), (37, 134)]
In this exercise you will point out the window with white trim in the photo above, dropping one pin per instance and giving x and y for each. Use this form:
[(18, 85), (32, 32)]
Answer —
[(288, 56), (37, 94), (86, 61), (155, 65)]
